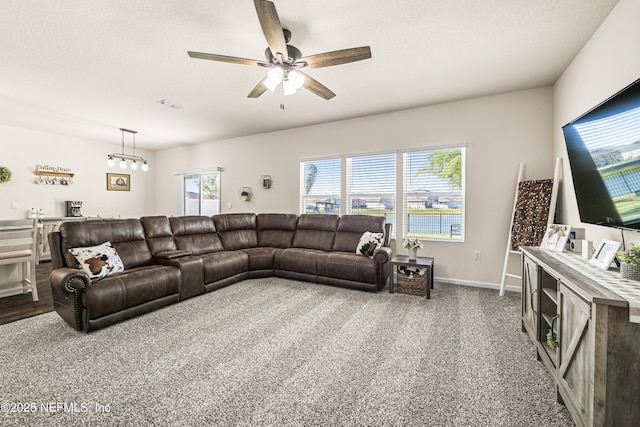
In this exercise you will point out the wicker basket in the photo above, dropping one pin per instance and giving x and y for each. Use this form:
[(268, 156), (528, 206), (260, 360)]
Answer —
[(411, 285), (631, 272)]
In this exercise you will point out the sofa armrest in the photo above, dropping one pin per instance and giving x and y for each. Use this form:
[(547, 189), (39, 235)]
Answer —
[(382, 254), (172, 254), (67, 286), (191, 271), (69, 280)]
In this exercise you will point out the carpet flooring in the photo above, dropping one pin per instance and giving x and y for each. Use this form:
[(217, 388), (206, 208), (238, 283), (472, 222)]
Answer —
[(281, 352)]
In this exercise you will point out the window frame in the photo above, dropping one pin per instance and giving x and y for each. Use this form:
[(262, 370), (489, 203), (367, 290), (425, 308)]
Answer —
[(461, 194), (181, 178)]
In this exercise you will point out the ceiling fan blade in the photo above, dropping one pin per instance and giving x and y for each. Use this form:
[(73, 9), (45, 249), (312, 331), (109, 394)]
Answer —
[(223, 58), (337, 57), (316, 87), (258, 90), (271, 27)]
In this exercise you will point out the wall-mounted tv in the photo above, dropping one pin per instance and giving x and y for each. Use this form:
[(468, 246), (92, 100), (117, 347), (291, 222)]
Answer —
[(604, 155)]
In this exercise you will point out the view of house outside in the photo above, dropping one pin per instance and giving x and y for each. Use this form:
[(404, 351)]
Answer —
[(432, 201)]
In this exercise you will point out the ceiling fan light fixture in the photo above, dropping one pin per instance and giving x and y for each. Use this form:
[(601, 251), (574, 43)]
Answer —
[(297, 79), (288, 87), (270, 85), (275, 75)]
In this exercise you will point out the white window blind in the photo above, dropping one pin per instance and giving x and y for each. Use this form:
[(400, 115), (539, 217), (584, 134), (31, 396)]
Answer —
[(434, 194), (320, 186), (371, 185)]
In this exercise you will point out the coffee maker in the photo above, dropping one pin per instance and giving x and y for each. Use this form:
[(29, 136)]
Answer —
[(73, 208)]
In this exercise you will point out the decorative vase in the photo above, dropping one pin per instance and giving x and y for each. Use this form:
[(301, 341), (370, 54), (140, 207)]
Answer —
[(413, 253), (628, 271)]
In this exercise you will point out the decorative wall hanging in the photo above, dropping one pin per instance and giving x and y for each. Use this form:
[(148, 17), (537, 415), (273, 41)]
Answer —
[(245, 193), (266, 181), (118, 182), (53, 175)]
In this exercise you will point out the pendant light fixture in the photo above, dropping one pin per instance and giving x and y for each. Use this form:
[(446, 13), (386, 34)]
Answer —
[(136, 161)]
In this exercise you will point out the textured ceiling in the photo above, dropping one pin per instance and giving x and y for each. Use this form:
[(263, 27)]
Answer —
[(86, 68)]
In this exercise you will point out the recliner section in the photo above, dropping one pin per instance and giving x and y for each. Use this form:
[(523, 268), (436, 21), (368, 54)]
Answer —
[(168, 259)]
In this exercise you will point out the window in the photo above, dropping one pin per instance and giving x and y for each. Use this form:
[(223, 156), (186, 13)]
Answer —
[(201, 194), (432, 182), (371, 185), (434, 194), (320, 182)]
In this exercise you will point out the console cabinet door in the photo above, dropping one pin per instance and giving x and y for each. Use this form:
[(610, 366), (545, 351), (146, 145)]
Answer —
[(576, 352), (530, 297)]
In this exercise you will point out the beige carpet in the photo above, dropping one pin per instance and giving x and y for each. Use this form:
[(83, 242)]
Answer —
[(281, 352)]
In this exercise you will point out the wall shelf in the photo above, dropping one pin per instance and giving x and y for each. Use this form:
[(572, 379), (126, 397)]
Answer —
[(61, 174)]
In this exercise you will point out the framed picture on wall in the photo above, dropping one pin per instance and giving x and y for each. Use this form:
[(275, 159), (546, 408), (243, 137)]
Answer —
[(605, 253), (118, 182), (555, 237)]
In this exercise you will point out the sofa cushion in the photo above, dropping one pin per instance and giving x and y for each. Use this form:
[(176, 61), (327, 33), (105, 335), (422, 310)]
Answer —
[(98, 261), (126, 235), (260, 258), (130, 288), (196, 234), (236, 231), (276, 230), (298, 260), (159, 235), (369, 242), (221, 265), (351, 228), (316, 231), (352, 267)]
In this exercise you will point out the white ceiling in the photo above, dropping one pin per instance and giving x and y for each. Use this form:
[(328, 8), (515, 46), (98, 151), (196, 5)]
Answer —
[(86, 68)]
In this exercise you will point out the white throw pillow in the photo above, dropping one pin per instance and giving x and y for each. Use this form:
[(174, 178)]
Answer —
[(98, 261), (369, 242)]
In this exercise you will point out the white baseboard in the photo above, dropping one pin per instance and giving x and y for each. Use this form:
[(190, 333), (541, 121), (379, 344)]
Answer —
[(11, 289), (496, 286)]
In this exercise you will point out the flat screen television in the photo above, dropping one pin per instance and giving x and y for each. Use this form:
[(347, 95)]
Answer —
[(603, 146)]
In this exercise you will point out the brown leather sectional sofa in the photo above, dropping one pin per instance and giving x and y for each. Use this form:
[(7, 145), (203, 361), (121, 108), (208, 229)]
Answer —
[(168, 259)]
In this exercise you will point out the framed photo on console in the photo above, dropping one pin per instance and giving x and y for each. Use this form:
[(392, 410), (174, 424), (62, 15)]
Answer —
[(605, 253), (555, 237)]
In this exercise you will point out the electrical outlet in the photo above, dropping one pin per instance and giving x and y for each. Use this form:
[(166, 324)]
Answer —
[(476, 255), (229, 205), (15, 205)]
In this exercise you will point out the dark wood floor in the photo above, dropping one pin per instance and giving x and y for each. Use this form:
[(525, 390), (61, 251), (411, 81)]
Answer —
[(22, 306)]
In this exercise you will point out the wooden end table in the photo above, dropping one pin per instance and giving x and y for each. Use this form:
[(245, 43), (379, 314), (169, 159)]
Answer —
[(421, 262)]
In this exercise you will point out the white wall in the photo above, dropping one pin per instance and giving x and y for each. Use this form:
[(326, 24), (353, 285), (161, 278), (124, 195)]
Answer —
[(23, 149), (500, 132), (605, 65)]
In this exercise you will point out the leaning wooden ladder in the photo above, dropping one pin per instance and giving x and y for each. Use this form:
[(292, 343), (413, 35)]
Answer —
[(510, 251)]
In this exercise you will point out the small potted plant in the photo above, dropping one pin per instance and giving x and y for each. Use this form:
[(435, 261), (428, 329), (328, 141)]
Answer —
[(5, 174), (630, 262), (413, 245), (245, 195), (552, 339)]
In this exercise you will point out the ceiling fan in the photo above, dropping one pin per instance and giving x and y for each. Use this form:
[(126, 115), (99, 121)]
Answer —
[(285, 61)]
